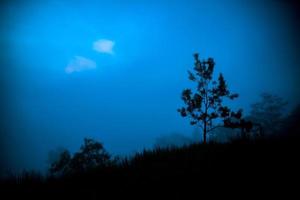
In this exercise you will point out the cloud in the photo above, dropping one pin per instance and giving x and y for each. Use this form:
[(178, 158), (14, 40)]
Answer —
[(79, 63), (104, 46)]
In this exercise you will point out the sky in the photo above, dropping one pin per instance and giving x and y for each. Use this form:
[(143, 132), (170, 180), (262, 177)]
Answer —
[(114, 70)]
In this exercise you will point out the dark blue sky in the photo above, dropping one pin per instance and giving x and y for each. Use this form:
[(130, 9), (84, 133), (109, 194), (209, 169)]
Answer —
[(114, 70)]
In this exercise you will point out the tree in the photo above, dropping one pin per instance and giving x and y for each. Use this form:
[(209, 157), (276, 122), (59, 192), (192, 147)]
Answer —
[(268, 112), (91, 154), (205, 105)]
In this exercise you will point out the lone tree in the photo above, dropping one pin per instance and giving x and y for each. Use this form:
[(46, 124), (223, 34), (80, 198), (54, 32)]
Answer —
[(205, 105)]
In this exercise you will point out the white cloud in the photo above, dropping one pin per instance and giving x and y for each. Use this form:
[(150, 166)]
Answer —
[(104, 46), (79, 63)]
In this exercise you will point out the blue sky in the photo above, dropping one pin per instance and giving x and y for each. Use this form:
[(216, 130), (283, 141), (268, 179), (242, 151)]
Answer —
[(114, 70)]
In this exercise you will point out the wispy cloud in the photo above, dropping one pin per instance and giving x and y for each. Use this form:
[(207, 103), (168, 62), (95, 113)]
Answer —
[(104, 46), (79, 63)]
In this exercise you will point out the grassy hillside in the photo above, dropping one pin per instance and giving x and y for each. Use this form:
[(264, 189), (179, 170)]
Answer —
[(242, 165)]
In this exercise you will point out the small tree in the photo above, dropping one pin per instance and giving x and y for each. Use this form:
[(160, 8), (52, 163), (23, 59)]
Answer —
[(205, 105), (91, 155)]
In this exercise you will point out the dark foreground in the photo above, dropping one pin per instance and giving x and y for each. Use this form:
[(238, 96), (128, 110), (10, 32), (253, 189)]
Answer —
[(241, 168)]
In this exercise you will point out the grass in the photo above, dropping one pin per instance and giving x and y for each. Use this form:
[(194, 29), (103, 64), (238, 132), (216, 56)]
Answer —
[(241, 165)]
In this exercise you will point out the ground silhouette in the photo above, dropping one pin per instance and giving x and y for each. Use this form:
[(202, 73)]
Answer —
[(268, 165)]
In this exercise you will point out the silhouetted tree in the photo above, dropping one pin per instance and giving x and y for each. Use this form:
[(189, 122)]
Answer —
[(268, 112), (206, 104), (91, 154)]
